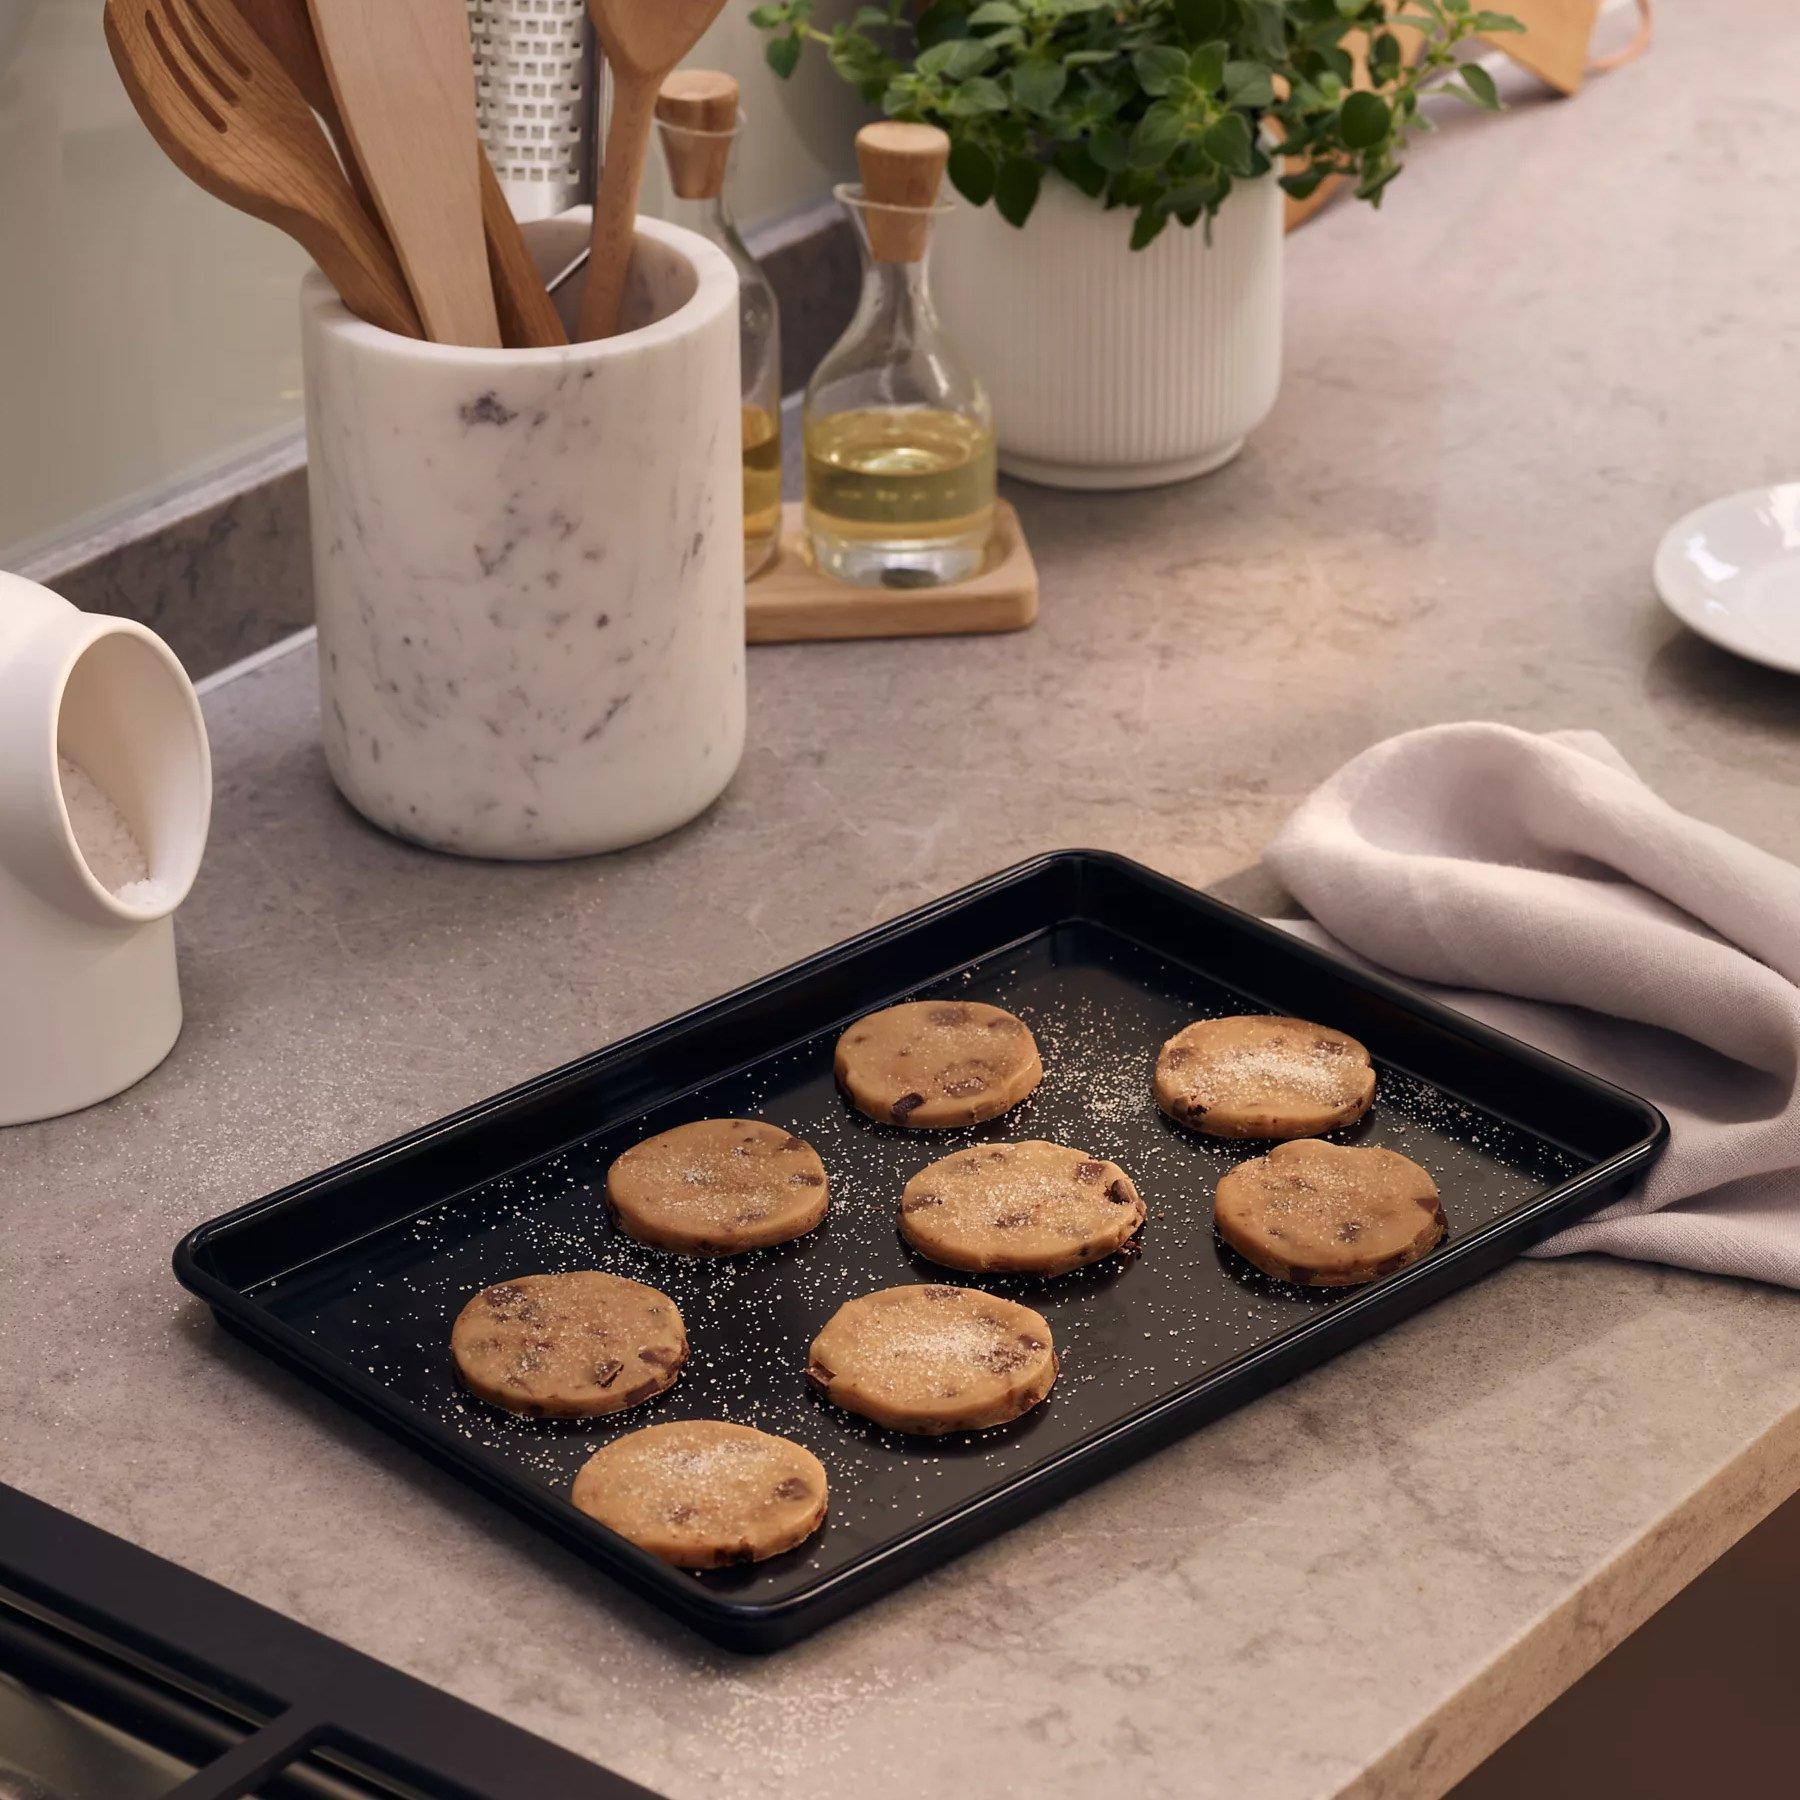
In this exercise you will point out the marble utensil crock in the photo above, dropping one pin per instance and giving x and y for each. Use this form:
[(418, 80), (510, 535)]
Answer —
[(528, 564), (87, 972)]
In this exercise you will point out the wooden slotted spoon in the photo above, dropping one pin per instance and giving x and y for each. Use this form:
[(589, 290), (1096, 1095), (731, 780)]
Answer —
[(226, 115), (403, 74), (528, 317), (643, 41)]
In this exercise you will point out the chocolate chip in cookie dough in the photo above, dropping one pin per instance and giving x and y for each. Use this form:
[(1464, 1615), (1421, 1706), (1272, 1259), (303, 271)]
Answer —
[(1328, 1215), (929, 1065), (557, 1345), (705, 1494), (930, 1358), (1030, 1208), (718, 1187), (1263, 1076)]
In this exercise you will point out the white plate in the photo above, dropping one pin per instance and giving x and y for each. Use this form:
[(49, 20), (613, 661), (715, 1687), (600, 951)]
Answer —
[(1731, 570)]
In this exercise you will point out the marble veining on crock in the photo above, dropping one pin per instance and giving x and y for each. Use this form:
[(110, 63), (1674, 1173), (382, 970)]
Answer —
[(530, 586)]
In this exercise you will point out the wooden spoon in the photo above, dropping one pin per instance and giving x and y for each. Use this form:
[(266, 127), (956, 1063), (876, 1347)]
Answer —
[(528, 318), (403, 75), (643, 41), (226, 115)]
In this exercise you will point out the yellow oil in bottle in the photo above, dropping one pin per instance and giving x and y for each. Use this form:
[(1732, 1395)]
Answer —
[(762, 486), (899, 495)]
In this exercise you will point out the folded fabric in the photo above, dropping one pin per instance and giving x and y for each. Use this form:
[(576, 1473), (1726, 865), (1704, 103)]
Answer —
[(1547, 891)]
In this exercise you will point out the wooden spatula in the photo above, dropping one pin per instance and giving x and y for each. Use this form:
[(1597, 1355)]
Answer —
[(403, 76), (227, 116), (528, 318), (643, 41)]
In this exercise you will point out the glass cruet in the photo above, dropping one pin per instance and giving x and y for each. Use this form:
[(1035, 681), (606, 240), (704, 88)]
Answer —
[(698, 120), (899, 435)]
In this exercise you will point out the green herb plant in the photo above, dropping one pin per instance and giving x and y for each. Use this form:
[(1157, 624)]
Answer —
[(1157, 105)]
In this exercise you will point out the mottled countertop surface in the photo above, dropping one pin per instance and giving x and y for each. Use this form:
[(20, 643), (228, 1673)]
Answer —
[(1569, 325)]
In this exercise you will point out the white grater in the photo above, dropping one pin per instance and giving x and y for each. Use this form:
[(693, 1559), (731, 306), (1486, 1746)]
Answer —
[(534, 92)]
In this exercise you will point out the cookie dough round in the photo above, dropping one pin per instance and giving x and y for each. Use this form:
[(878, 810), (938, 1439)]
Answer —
[(701, 1493), (718, 1186), (930, 1359), (1262, 1077), (1031, 1208), (570, 1346), (1328, 1215), (933, 1064)]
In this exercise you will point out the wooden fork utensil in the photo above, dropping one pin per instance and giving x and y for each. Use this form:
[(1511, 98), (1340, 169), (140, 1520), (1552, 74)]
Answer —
[(229, 117)]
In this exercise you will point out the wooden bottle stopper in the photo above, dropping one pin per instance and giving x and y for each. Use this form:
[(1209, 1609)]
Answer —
[(697, 110), (901, 167)]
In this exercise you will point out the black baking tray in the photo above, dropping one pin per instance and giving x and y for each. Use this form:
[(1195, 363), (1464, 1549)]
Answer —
[(352, 1277)]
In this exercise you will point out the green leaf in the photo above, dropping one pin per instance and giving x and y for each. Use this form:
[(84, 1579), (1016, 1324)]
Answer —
[(783, 54), (1373, 183), (1199, 20), (971, 172), (1481, 86), (1265, 31), (1364, 120), (975, 97), (1158, 68), (1037, 85), (1206, 67), (1227, 141), (1109, 148), (1305, 184), (1156, 135), (1146, 225), (1016, 192), (1074, 163), (946, 20), (1248, 84), (996, 12), (955, 59), (766, 17), (1491, 22)]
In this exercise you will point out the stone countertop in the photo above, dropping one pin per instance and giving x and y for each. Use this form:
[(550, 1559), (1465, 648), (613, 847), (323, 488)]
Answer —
[(1558, 336)]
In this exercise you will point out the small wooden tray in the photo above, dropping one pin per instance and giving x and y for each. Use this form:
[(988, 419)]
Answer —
[(792, 602)]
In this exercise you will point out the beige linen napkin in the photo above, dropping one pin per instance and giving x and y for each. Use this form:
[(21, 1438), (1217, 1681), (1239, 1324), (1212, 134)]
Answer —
[(1545, 889)]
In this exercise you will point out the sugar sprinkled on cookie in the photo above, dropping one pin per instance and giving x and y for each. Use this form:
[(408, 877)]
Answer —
[(704, 1493), (717, 1187), (1329, 1215), (935, 1064), (570, 1346), (1031, 1208), (929, 1359), (1263, 1077)]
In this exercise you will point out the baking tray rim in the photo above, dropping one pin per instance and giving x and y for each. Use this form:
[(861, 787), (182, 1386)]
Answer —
[(754, 1620)]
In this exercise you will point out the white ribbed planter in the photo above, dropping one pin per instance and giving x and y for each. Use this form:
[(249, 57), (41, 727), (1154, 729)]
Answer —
[(1108, 367)]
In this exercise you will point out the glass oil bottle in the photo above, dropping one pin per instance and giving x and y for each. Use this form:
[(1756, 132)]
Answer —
[(698, 120), (899, 433)]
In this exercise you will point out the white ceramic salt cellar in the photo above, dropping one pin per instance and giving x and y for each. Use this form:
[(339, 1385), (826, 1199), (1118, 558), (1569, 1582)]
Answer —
[(105, 798)]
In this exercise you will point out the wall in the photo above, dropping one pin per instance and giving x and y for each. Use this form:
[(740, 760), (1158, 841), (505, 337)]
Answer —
[(148, 332)]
